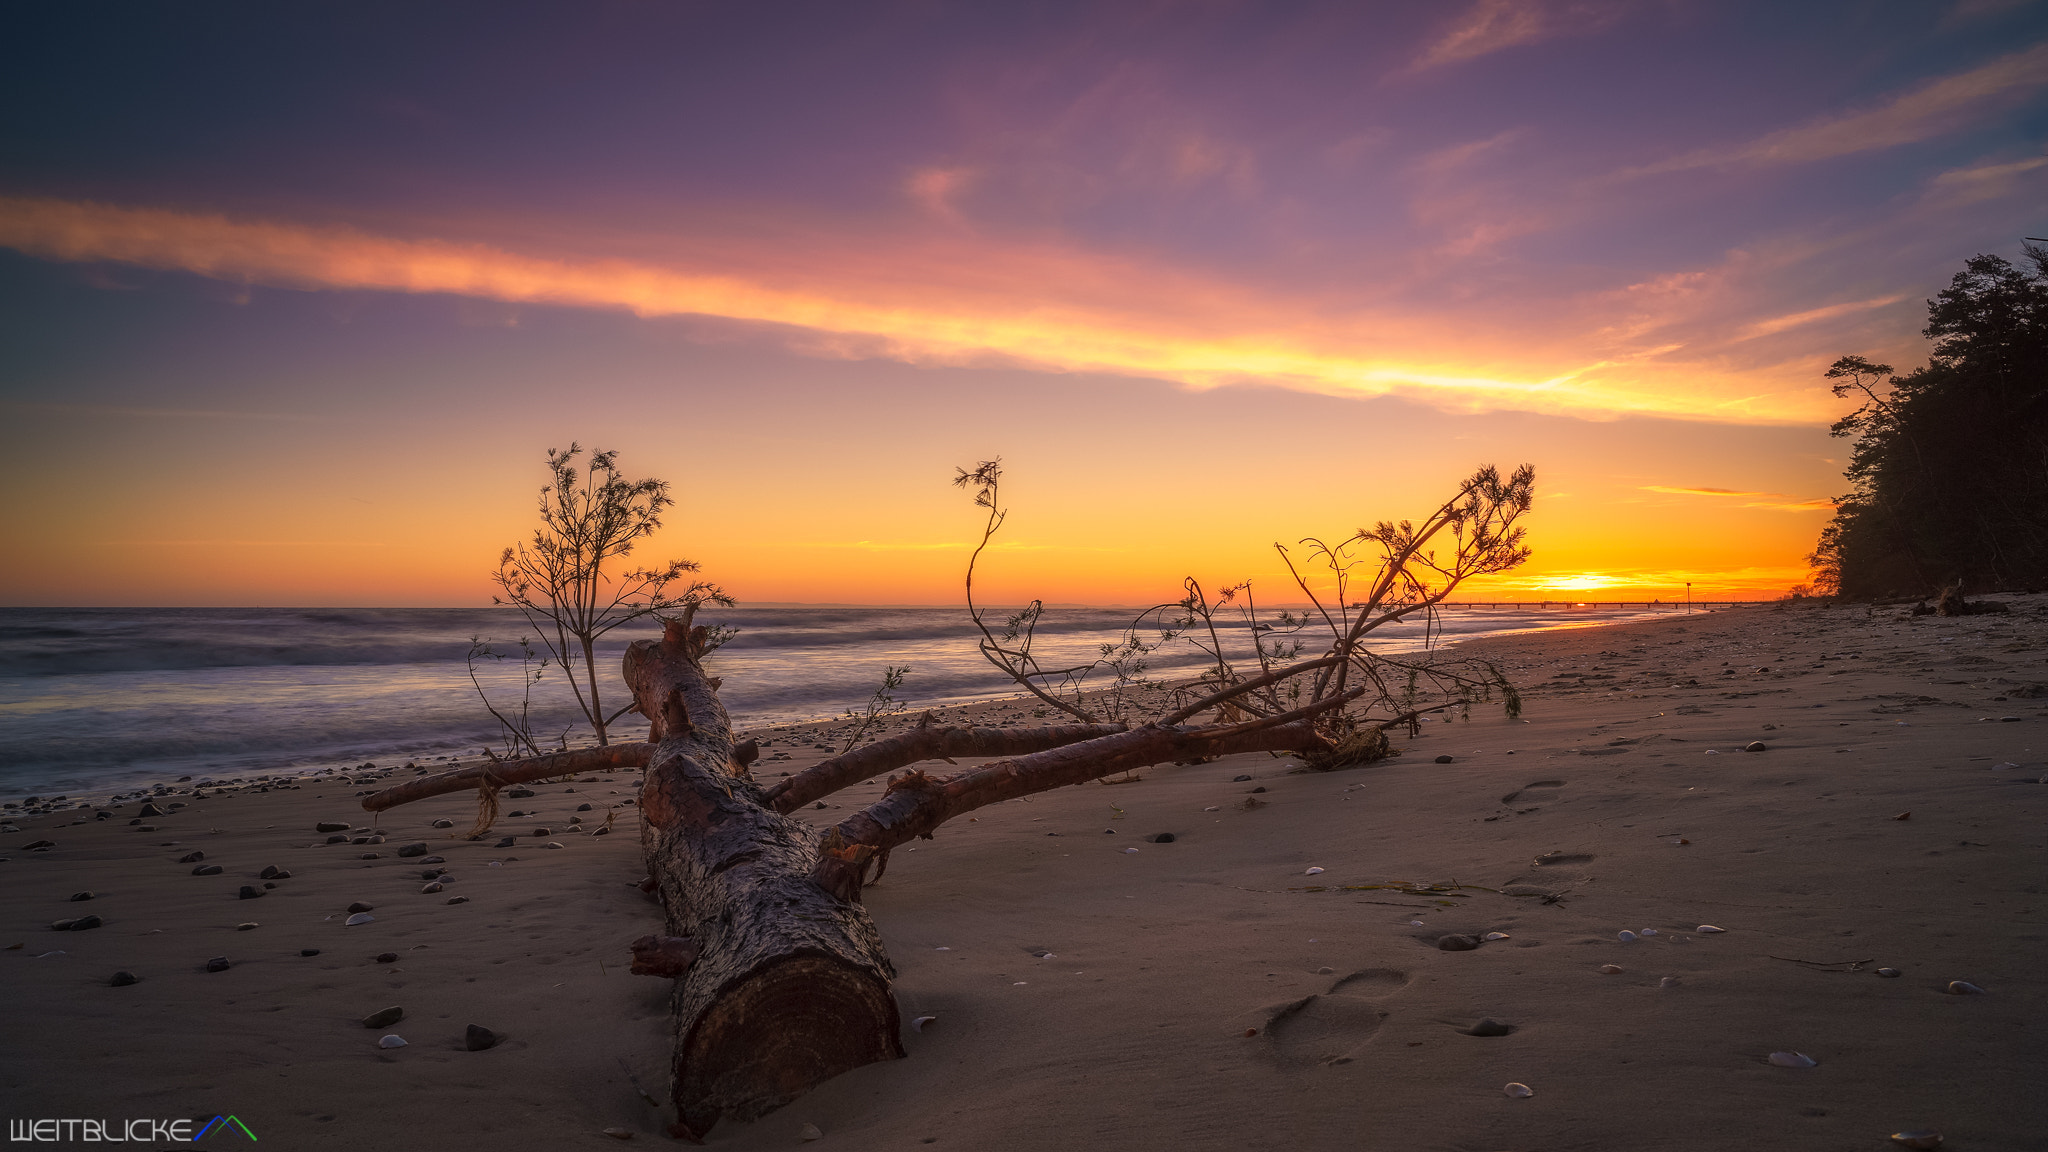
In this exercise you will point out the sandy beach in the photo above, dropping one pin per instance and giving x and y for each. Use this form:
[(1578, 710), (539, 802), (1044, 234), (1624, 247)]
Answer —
[(1092, 988)]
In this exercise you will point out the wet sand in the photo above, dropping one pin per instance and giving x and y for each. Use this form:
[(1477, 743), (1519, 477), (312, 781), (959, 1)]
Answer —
[(1089, 996)]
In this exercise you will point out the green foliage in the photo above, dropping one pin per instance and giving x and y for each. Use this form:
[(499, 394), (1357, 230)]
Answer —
[(1950, 468)]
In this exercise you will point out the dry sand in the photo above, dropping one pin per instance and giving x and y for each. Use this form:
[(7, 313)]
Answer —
[(1088, 996)]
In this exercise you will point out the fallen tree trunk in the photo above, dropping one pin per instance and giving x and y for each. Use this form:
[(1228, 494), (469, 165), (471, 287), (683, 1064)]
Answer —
[(789, 985), (501, 773), (924, 742), (917, 803)]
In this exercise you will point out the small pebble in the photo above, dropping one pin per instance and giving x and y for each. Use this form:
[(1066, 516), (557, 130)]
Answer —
[(1457, 942), (269, 872), (1611, 969), (1709, 929), (1917, 1138), (191, 857), (809, 1132), (1963, 988), (309, 951), (1239, 779), (552, 844), (458, 899), (218, 964), (359, 906), (431, 888), (207, 870), (1625, 936), (384, 1017), (1127, 851), (477, 1038), (416, 848), (358, 918), (1755, 746), (77, 896), (245, 926), (1668, 982), (387, 957), (1489, 1027), (1890, 973), (618, 1133), (1647, 932), (1793, 1060), (124, 979), (444, 823), (1496, 936), (1163, 838), (1313, 872), (393, 1041), (250, 892), (1519, 1090)]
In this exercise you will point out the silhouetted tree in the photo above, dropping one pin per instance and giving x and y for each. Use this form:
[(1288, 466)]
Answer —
[(589, 518), (1950, 468)]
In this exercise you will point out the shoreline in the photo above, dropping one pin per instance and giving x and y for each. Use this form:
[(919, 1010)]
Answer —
[(1130, 1031)]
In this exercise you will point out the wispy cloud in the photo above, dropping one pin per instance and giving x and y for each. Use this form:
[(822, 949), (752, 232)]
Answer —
[(1932, 109), (973, 303), (1490, 26), (1768, 501), (1810, 315), (1670, 491)]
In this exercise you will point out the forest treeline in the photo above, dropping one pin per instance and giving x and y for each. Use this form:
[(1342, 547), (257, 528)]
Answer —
[(1950, 469)]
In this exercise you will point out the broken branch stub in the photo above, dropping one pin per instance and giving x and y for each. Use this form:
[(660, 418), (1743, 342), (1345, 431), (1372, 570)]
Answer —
[(790, 985)]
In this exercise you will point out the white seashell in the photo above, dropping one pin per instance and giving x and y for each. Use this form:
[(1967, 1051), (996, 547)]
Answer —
[(393, 1041), (1415, 923), (1130, 851), (1519, 1090), (1793, 1060), (1216, 809), (809, 1132), (1313, 872), (1709, 928), (1647, 932), (1712, 752), (1963, 988), (358, 918), (1496, 936), (1917, 1138), (918, 1024), (1610, 969), (1625, 936), (942, 949)]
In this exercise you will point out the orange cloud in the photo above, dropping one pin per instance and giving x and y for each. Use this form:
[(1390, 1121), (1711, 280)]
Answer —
[(1047, 309)]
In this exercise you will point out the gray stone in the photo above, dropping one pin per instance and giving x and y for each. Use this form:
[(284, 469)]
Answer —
[(249, 892), (360, 906), (416, 848), (191, 857), (124, 979), (1489, 1027), (1445, 760), (477, 1038), (218, 964), (207, 870), (384, 1017), (1457, 942), (86, 923), (77, 896)]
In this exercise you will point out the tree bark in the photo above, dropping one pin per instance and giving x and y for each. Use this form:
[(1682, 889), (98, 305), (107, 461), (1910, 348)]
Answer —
[(917, 803), (925, 742), (790, 985), (506, 772)]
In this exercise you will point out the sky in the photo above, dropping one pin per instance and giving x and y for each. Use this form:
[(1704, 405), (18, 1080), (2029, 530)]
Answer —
[(294, 299)]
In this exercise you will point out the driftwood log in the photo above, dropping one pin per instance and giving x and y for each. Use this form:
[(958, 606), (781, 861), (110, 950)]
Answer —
[(789, 985)]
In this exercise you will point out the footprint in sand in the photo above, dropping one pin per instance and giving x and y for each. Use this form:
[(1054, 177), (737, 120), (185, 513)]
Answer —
[(1543, 789), (1333, 1027)]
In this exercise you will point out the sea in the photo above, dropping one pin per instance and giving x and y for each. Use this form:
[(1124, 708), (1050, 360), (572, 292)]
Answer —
[(99, 700)]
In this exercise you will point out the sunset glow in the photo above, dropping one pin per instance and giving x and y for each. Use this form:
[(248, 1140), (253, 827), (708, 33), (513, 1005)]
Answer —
[(1208, 278)]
